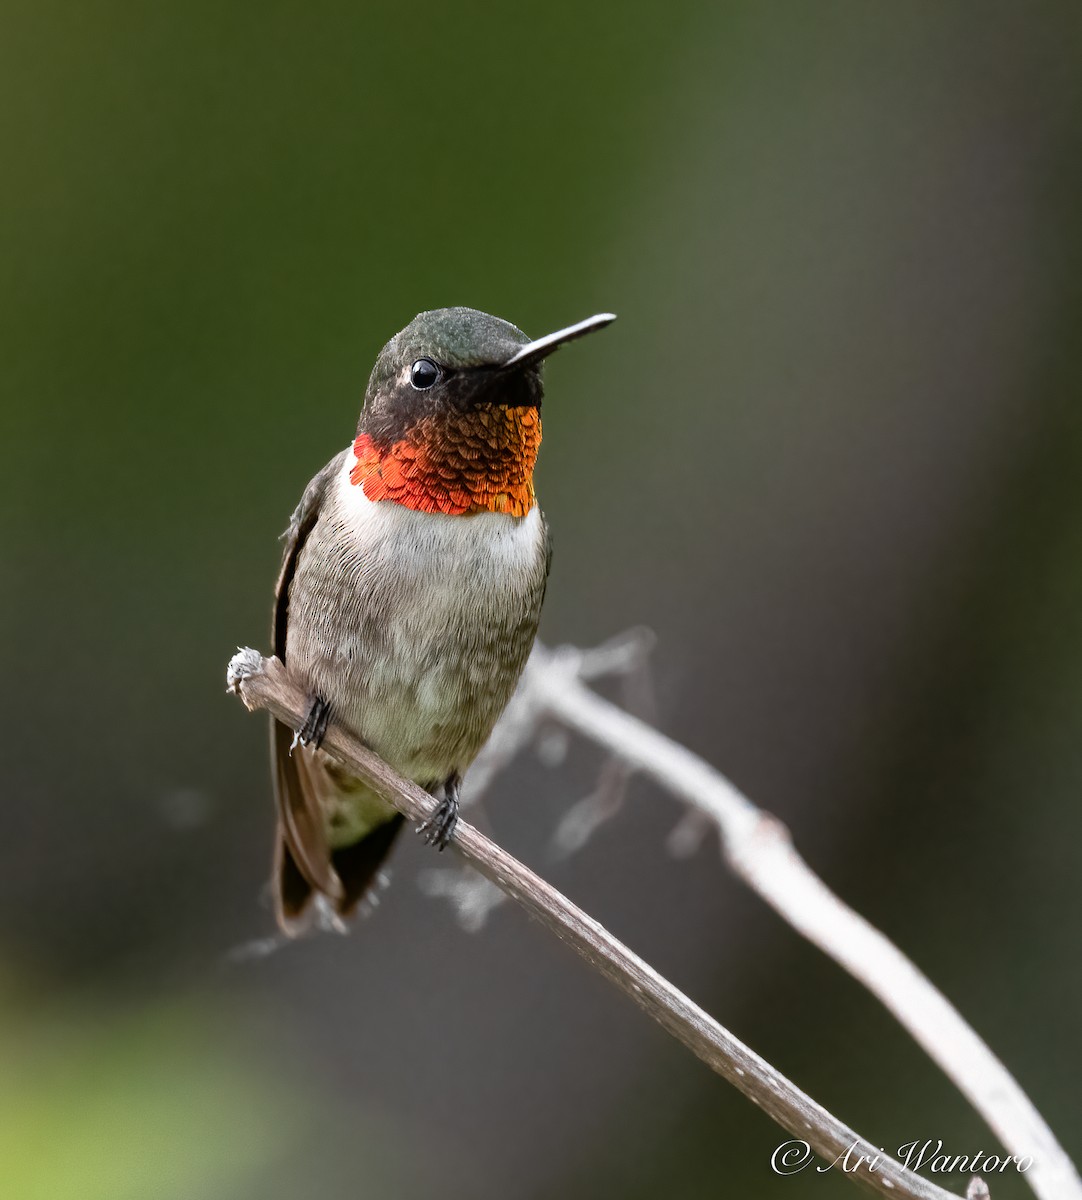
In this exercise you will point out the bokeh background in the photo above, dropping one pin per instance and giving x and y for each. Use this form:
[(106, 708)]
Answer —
[(831, 454)]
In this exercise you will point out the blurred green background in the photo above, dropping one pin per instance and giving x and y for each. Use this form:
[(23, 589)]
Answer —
[(831, 453)]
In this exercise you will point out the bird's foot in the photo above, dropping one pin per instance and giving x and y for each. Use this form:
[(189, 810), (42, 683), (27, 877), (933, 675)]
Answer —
[(439, 829), (314, 729)]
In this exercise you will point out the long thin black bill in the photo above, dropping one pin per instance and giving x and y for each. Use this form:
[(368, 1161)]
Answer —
[(546, 345)]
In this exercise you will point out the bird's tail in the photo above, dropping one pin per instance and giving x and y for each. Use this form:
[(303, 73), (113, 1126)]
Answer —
[(320, 806), (357, 868)]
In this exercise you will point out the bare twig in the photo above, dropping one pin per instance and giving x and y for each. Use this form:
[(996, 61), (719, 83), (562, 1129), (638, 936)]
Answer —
[(264, 683), (759, 850)]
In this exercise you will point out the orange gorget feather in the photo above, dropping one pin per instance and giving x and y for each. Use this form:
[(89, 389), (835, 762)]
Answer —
[(480, 461)]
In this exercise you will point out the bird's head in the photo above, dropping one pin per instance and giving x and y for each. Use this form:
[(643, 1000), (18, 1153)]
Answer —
[(451, 420)]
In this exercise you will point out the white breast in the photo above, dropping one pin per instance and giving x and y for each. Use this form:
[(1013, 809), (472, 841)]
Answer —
[(418, 635), (486, 549)]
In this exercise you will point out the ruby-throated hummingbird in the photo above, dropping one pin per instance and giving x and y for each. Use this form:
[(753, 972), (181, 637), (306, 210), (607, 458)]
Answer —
[(410, 591)]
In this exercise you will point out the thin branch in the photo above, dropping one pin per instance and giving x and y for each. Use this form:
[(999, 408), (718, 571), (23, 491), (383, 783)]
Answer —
[(264, 683), (759, 849)]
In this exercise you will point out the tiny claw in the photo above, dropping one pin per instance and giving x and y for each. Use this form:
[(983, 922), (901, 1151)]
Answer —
[(439, 828), (314, 729)]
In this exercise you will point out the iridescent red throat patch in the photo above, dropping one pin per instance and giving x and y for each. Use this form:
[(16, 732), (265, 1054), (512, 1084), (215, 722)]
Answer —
[(481, 461)]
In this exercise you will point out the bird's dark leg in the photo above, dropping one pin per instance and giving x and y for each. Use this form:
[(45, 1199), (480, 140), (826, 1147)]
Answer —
[(314, 729), (439, 829)]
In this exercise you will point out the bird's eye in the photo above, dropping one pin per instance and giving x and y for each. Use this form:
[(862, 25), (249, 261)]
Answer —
[(424, 373)]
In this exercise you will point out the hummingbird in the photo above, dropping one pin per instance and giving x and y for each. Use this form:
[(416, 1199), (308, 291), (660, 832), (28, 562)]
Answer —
[(409, 595)]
